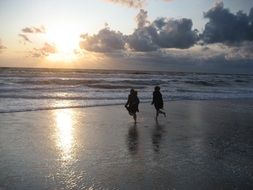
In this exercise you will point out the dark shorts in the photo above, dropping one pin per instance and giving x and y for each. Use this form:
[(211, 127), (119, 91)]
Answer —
[(158, 107)]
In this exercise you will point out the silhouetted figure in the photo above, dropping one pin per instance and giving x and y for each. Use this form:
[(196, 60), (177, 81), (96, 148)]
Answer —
[(158, 101), (132, 104)]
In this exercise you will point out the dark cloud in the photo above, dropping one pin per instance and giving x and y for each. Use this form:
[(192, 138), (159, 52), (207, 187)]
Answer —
[(175, 33), (251, 16), (34, 29), (25, 38), (44, 51), (142, 39), (161, 33), (226, 27), (105, 41)]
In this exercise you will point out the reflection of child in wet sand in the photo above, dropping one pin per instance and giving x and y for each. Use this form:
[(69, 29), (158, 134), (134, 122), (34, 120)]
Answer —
[(132, 104), (158, 101)]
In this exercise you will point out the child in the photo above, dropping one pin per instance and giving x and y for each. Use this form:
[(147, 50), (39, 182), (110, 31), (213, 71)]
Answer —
[(158, 101), (132, 104)]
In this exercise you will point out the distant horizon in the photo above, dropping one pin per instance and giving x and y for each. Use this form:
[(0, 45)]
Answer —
[(141, 71)]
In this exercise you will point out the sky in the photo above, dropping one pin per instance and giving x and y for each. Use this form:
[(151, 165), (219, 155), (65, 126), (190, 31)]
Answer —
[(171, 35)]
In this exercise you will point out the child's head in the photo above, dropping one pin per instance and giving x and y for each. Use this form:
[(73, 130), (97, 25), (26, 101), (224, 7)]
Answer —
[(157, 88)]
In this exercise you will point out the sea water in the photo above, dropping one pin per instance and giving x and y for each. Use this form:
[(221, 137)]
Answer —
[(23, 89)]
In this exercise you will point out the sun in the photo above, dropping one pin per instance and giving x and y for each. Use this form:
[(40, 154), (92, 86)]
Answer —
[(66, 39)]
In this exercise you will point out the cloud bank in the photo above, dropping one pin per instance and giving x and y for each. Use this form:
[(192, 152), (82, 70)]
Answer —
[(222, 27), (226, 42), (148, 36), (226, 27)]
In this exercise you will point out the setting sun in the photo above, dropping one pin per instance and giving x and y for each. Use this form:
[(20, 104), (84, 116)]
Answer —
[(66, 39)]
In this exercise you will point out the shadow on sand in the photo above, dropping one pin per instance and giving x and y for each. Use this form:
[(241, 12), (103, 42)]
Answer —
[(132, 139), (157, 136)]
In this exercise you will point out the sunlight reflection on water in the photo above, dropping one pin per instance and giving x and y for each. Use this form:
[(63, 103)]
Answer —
[(67, 175), (65, 132)]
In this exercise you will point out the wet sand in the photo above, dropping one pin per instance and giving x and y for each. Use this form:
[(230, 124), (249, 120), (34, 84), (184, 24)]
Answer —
[(200, 145)]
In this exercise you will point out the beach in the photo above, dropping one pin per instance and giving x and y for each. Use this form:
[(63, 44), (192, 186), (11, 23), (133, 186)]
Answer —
[(201, 144)]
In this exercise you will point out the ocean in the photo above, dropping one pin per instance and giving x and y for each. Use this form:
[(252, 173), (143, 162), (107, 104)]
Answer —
[(26, 89)]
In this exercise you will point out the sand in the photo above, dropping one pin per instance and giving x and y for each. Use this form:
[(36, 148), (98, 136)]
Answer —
[(199, 145)]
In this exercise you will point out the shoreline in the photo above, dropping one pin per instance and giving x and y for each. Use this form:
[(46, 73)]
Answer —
[(118, 104)]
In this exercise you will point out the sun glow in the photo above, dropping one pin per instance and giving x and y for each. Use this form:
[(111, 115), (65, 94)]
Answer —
[(66, 38)]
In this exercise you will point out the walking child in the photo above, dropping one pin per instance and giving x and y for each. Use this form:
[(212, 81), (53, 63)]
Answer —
[(158, 101)]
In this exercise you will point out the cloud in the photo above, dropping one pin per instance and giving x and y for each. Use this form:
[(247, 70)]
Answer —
[(2, 46), (44, 51), (142, 40), (161, 33), (40, 29), (226, 27), (174, 44), (148, 36), (142, 18), (132, 3), (129, 3), (105, 41), (175, 33), (142, 37), (195, 59), (27, 31), (243, 51), (25, 38)]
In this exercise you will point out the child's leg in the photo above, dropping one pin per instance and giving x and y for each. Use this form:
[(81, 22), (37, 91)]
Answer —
[(157, 113), (162, 112), (135, 117)]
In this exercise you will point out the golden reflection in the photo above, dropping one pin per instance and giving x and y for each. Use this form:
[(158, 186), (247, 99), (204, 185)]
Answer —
[(64, 132)]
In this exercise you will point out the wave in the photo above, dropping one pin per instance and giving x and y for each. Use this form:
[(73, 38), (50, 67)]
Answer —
[(108, 86), (89, 82), (201, 83), (54, 108), (59, 82), (241, 81), (62, 97)]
